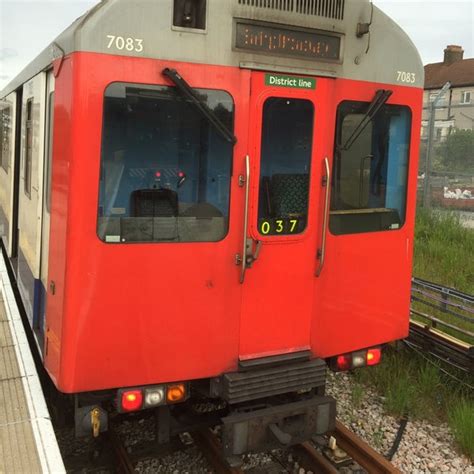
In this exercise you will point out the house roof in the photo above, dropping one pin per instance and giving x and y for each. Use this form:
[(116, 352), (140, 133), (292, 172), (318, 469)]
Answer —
[(459, 73)]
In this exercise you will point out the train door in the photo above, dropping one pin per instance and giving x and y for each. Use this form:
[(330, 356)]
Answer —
[(287, 146), (45, 231), (30, 194)]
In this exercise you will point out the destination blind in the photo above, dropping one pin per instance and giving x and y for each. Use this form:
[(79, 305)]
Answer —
[(287, 42)]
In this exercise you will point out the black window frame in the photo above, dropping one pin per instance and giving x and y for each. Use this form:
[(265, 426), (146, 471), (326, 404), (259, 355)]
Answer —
[(338, 132), (272, 234), (29, 139), (231, 168)]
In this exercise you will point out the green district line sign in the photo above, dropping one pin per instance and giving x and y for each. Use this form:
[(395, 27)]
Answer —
[(295, 82)]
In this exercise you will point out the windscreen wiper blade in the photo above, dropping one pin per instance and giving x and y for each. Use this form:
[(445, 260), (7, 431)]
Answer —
[(187, 91), (380, 98)]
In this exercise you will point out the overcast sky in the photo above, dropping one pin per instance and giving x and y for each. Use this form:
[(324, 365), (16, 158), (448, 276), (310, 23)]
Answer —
[(28, 26)]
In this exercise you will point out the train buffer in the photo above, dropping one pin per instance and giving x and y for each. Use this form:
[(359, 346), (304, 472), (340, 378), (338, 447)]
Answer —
[(27, 440)]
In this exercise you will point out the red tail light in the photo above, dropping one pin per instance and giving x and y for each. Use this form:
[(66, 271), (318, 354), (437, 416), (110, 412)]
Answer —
[(353, 360), (131, 400), (344, 362)]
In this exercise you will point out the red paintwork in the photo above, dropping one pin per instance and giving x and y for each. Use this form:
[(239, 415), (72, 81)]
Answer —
[(137, 314)]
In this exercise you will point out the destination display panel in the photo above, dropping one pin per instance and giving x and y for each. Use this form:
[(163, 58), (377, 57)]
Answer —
[(288, 42)]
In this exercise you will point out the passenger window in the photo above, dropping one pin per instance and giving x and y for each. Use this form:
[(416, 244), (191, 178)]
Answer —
[(165, 170), (28, 146), (287, 136), (370, 173), (5, 135)]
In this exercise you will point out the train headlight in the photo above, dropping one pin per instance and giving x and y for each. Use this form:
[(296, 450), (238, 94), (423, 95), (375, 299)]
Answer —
[(154, 396), (358, 359)]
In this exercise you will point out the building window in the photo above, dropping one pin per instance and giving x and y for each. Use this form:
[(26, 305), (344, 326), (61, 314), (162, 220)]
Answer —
[(165, 169), (465, 97), (28, 146), (5, 135)]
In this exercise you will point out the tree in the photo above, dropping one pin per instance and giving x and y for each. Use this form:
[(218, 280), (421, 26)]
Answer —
[(457, 152)]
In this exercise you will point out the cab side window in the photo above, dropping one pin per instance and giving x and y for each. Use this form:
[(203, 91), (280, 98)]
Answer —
[(370, 173)]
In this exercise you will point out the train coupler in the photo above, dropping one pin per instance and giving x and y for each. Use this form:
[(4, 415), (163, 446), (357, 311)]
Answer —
[(90, 420), (278, 426)]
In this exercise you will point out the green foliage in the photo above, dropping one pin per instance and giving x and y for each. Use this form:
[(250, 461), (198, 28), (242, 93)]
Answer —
[(444, 250), (357, 395), (457, 152), (414, 387), (461, 420)]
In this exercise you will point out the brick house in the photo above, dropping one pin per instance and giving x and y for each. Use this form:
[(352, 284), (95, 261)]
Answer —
[(456, 108)]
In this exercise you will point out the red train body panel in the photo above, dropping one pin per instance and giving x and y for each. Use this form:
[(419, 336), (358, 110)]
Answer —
[(213, 206), (196, 320)]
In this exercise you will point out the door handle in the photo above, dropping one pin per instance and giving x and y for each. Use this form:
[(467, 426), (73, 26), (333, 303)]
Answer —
[(322, 250), (244, 180)]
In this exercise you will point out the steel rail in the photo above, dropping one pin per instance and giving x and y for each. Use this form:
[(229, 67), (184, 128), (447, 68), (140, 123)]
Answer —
[(122, 460), (210, 446), (362, 453), (439, 322), (443, 302), (312, 460), (444, 289)]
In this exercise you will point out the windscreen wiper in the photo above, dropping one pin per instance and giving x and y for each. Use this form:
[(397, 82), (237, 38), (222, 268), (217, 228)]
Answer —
[(380, 98), (187, 91)]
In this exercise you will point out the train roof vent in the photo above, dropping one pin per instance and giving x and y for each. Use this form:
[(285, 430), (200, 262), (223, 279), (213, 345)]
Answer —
[(326, 8)]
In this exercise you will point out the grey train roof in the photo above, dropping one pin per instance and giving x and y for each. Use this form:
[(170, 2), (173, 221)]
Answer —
[(390, 49)]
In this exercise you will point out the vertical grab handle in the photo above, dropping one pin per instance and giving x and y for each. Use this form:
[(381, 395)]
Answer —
[(322, 251), (246, 215)]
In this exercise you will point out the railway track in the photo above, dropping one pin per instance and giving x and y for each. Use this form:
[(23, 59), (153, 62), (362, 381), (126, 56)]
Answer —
[(442, 323), (309, 457)]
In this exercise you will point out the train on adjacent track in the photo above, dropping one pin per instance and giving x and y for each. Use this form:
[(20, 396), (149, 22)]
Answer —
[(205, 203)]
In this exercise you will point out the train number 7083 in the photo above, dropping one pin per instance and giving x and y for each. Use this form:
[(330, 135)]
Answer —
[(128, 44), (407, 77)]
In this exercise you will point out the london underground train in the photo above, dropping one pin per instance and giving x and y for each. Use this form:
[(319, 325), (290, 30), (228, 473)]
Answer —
[(213, 200)]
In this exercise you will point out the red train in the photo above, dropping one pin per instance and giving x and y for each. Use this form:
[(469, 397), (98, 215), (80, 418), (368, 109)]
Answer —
[(214, 200)]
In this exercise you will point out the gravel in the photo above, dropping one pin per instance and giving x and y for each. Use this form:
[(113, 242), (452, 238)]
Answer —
[(424, 448)]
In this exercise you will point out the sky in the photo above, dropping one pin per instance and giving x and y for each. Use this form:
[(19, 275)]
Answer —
[(28, 26)]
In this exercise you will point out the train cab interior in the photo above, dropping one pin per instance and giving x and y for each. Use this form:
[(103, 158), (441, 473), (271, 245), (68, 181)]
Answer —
[(165, 170)]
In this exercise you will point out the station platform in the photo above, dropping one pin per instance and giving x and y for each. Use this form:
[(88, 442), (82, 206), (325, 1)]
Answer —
[(27, 440)]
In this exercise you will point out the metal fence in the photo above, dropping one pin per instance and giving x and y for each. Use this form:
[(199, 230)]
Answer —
[(446, 173)]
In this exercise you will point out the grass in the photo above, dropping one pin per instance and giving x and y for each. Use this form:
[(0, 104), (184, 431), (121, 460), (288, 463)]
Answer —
[(416, 388), (412, 386), (444, 250), (461, 420)]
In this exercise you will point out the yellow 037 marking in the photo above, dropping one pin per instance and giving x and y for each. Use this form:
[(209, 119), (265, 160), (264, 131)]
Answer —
[(265, 228)]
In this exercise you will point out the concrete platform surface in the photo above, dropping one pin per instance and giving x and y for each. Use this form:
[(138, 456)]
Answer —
[(27, 440)]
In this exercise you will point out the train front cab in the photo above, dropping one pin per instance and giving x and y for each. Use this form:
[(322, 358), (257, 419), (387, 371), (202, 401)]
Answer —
[(216, 250), (157, 290)]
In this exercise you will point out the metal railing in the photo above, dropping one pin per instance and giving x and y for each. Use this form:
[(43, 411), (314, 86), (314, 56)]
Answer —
[(442, 323)]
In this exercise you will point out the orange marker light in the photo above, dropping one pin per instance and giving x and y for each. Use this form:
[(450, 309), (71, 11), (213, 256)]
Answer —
[(374, 356), (176, 393)]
